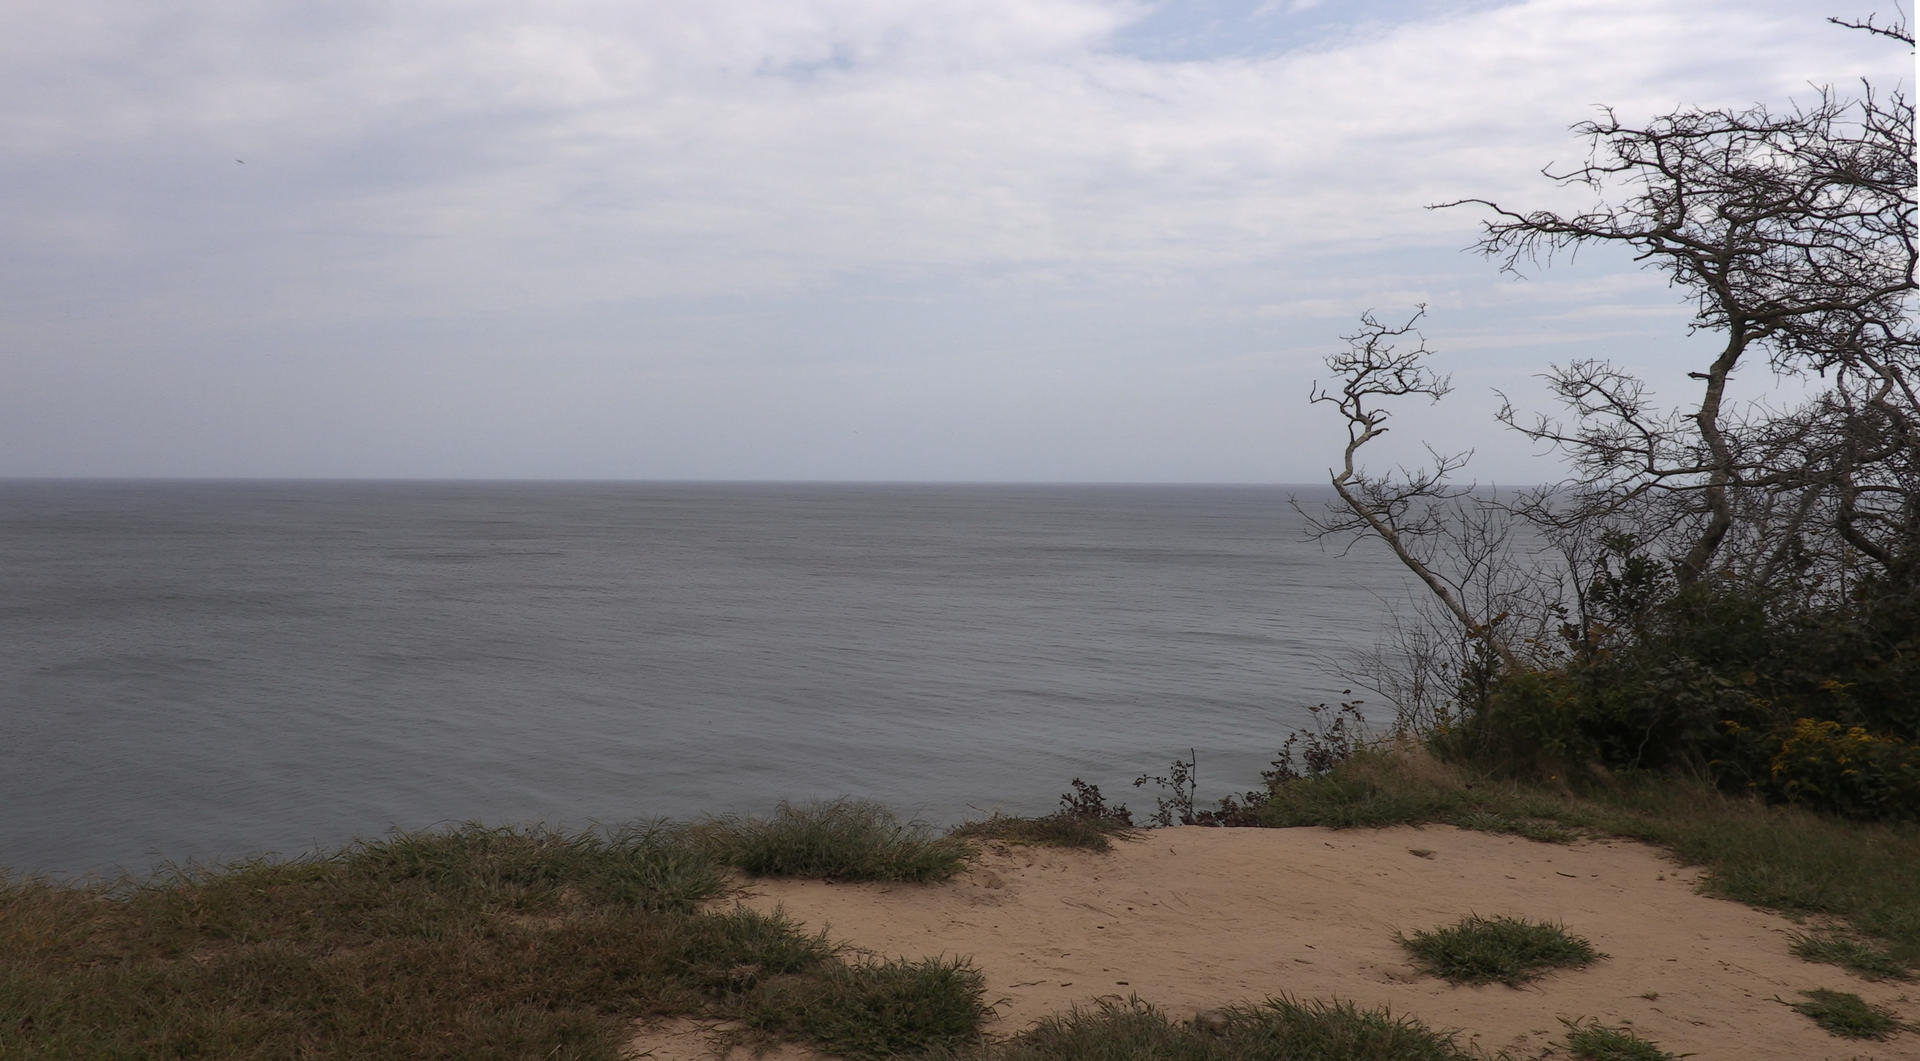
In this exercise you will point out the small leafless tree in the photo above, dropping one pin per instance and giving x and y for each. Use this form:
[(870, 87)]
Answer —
[(1456, 542)]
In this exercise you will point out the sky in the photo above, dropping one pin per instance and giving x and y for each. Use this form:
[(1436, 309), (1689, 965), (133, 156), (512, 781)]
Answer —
[(974, 240)]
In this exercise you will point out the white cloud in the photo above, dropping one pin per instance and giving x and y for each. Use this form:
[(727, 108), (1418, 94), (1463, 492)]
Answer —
[(431, 162)]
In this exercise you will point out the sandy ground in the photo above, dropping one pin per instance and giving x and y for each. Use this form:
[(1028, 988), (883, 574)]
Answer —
[(1189, 919)]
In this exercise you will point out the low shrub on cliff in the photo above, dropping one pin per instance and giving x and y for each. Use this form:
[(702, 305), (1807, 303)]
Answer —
[(1506, 950)]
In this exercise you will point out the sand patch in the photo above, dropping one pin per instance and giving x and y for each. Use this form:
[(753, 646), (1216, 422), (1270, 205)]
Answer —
[(1191, 918)]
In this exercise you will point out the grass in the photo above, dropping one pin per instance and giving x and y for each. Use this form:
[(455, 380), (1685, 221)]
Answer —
[(1593, 1041), (845, 839), (1378, 788), (507, 943), (1863, 959), (467, 943), (1507, 950), (1052, 830), (1279, 1029), (878, 1009), (1084, 820), (1847, 1015), (1866, 875)]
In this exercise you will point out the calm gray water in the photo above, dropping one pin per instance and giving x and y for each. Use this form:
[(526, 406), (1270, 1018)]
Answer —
[(212, 670)]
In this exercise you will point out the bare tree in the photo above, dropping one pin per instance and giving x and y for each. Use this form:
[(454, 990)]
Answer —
[(1457, 544), (1794, 235)]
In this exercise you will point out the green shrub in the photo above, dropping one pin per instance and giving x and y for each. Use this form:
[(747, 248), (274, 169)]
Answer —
[(1085, 820), (877, 1009), (1507, 950), (1850, 772), (1801, 702), (1525, 724)]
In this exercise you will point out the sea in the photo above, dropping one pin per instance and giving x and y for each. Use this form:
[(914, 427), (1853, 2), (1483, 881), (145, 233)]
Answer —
[(197, 672)]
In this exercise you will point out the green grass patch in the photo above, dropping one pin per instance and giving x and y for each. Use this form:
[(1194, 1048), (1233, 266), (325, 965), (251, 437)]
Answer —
[(1084, 820), (1847, 1015), (876, 1009), (1279, 1029), (841, 840), (467, 943), (1507, 950), (1593, 1041), (1052, 830), (1861, 958), (1376, 788)]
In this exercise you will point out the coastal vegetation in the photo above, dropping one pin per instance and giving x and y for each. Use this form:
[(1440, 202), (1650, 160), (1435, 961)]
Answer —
[(1861, 958), (1502, 950), (1278, 1029), (474, 943), (1728, 587), (840, 840), (1846, 1014), (482, 942), (1084, 820), (1593, 1041)]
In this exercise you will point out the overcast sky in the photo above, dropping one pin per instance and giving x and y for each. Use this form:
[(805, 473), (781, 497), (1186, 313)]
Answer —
[(1053, 240)]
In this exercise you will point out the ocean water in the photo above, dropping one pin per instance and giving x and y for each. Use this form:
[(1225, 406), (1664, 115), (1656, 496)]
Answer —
[(203, 671)]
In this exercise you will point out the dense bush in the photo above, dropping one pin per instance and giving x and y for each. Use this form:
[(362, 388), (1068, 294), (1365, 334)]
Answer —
[(1810, 703), (1851, 771)]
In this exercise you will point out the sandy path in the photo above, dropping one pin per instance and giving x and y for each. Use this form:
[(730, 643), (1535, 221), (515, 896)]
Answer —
[(1192, 918)]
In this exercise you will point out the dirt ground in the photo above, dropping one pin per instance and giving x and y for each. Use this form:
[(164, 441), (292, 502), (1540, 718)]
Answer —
[(1191, 918)]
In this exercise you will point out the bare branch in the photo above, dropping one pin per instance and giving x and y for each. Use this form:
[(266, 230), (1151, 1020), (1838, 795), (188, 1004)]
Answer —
[(1794, 236), (1896, 30)]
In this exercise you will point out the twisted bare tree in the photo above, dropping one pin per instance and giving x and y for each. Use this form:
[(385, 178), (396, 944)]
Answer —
[(1794, 236), (1454, 542)]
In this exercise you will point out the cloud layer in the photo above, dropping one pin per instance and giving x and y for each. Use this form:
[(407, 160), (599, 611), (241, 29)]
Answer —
[(1005, 239)]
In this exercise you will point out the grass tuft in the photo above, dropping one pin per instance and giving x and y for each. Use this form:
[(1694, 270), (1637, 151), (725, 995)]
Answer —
[(1594, 1041), (1279, 1029), (1052, 830), (1856, 956), (1847, 1015), (841, 840), (877, 1009), (1507, 950), (1084, 820)]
